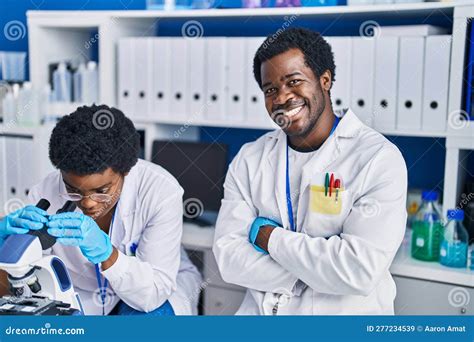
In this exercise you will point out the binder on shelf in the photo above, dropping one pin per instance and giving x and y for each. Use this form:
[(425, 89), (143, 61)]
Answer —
[(410, 83), (362, 78), (216, 48), (235, 66), (179, 79), (24, 158), (341, 88), (12, 167), (254, 98), (126, 72), (436, 83), (386, 83), (143, 77), (196, 73), (161, 78)]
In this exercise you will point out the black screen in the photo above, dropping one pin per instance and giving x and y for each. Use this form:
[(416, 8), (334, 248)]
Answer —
[(200, 169)]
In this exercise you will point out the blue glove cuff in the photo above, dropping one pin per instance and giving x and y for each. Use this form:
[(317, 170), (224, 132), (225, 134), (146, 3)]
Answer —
[(255, 228)]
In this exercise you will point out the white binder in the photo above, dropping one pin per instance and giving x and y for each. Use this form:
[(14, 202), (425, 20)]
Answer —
[(386, 83), (179, 79), (362, 78), (341, 88), (216, 48), (25, 156), (436, 83), (196, 67), (235, 66), (410, 83), (143, 77), (161, 78), (254, 98), (11, 163), (126, 72)]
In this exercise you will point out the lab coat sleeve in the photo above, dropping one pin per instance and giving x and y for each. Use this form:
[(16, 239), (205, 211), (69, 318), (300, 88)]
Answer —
[(239, 263), (353, 263), (147, 280)]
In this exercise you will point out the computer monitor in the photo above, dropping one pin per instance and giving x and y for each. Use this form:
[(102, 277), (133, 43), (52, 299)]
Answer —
[(200, 169)]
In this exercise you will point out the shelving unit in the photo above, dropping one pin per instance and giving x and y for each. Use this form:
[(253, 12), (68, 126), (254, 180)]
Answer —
[(57, 35)]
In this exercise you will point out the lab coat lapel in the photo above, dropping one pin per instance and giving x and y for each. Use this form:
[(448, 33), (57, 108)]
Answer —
[(124, 217), (277, 160)]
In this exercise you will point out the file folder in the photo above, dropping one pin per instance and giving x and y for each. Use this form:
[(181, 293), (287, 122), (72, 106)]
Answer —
[(12, 168), (126, 72), (386, 83), (410, 83), (235, 66), (254, 98), (179, 79), (161, 78), (25, 157), (196, 71), (362, 79), (341, 88), (216, 48), (143, 77), (436, 83)]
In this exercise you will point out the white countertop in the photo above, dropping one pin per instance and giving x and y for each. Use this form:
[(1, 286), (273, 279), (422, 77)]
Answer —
[(403, 265)]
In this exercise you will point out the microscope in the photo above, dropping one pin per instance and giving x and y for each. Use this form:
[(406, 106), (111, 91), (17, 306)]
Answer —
[(39, 284)]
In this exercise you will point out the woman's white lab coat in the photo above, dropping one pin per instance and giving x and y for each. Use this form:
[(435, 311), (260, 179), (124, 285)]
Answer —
[(149, 214), (335, 263)]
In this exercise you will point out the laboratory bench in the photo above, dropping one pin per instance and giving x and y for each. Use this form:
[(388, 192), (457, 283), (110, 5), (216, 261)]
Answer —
[(423, 288)]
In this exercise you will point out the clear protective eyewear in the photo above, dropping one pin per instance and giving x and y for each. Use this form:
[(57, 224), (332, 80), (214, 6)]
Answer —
[(75, 197)]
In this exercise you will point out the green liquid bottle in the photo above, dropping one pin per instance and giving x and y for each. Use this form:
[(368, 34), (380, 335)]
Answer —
[(427, 229)]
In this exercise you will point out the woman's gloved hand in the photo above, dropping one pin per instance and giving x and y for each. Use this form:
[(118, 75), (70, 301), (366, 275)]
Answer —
[(22, 221), (77, 229)]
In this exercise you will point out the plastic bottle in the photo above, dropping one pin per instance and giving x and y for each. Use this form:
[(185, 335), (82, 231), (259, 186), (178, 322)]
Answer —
[(28, 106), (427, 229), (90, 84), (62, 83), (453, 251), (77, 82)]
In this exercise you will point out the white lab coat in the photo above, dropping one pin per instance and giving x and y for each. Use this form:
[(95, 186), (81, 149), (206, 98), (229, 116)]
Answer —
[(149, 213), (333, 264)]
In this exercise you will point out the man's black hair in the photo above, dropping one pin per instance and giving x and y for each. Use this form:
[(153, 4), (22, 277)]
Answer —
[(317, 52), (92, 139)]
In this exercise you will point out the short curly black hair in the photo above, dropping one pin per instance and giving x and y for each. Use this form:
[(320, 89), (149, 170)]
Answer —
[(317, 51), (92, 139)]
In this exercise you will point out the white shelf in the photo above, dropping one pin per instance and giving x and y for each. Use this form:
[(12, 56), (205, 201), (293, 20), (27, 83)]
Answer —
[(404, 265), (389, 9)]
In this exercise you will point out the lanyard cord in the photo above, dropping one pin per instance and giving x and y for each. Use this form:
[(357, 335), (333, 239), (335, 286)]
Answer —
[(103, 290), (289, 204)]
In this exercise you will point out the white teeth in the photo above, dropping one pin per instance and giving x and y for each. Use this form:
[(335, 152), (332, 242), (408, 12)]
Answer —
[(294, 111)]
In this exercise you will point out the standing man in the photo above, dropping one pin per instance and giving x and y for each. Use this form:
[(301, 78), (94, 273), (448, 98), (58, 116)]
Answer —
[(314, 213)]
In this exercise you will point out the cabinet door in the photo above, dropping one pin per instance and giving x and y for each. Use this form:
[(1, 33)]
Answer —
[(422, 297), (221, 301)]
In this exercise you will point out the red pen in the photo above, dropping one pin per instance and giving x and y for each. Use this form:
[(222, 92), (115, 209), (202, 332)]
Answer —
[(337, 185), (331, 184)]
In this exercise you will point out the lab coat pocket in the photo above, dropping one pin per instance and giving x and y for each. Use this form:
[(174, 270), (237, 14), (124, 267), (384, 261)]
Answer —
[(322, 202)]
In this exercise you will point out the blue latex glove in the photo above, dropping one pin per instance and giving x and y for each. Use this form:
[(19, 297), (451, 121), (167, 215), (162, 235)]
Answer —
[(22, 221), (77, 229), (257, 223)]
